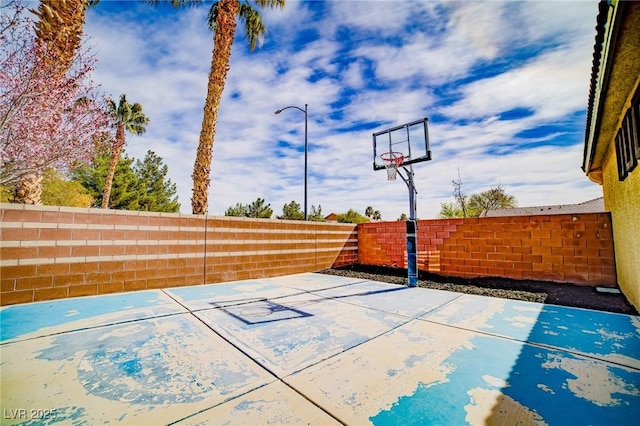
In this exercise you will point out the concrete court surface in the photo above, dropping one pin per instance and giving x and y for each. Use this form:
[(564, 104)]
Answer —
[(315, 349)]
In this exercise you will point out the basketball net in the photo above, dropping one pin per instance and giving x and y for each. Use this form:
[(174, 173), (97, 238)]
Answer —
[(392, 170), (391, 162)]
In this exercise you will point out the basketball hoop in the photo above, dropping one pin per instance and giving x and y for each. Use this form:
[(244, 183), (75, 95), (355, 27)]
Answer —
[(391, 162)]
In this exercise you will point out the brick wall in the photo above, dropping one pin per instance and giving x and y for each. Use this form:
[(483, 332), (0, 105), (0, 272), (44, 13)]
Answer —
[(57, 252), (564, 248)]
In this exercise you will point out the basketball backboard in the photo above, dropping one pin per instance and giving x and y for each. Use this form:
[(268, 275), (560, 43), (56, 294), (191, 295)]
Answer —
[(410, 140)]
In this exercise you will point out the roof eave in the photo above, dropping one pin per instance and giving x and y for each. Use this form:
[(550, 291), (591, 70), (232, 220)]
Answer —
[(605, 37)]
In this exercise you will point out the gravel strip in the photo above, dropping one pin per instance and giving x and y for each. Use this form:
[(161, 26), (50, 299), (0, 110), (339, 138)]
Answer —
[(460, 288), (528, 290)]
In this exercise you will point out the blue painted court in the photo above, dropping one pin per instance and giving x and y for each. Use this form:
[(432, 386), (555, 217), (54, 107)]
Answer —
[(316, 349)]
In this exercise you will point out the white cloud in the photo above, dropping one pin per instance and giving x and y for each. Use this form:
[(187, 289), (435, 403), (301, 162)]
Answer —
[(481, 25), (386, 18), (548, 85)]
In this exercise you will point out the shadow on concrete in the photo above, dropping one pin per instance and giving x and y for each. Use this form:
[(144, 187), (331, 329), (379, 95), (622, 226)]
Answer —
[(576, 367)]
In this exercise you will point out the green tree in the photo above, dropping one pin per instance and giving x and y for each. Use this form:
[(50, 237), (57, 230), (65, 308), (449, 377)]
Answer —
[(124, 193), (450, 210), (291, 211), (92, 176), (316, 214), (376, 215), (57, 190), (239, 210), (256, 209), (403, 216), (6, 194), (352, 216), (222, 21), (474, 205), (491, 199), (156, 192), (140, 187), (60, 191), (124, 117)]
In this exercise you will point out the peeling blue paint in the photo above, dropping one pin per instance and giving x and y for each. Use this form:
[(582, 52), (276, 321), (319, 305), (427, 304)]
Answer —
[(145, 353), (18, 320), (582, 330), (521, 368), (131, 367)]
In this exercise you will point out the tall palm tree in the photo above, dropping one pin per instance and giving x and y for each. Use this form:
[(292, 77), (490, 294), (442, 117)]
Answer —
[(222, 21), (125, 117), (60, 28)]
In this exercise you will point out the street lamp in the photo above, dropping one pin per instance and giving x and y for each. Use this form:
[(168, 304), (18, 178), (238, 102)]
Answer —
[(306, 151)]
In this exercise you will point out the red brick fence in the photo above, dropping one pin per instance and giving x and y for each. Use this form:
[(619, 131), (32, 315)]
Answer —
[(57, 252), (570, 248)]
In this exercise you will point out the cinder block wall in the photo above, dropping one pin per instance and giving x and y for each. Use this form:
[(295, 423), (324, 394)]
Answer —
[(58, 252), (563, 248)]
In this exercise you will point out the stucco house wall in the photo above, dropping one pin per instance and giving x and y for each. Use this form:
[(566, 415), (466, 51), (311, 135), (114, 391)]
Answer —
[(614, 109), (622, 199)]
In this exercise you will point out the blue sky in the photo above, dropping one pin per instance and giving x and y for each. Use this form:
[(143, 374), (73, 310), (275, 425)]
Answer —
[(504, 85)]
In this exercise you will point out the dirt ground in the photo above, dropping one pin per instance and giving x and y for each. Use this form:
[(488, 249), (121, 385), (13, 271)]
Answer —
[(529, 290)]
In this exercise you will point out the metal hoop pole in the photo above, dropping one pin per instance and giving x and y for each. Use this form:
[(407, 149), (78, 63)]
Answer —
[(412, 229)]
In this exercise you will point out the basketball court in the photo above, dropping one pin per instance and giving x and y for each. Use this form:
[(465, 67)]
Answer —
[(315, 349)]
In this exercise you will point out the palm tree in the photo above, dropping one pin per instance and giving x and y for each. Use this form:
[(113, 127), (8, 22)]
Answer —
[(222, 21), (28, 189), (125, 117), (368, 212), (60, 28)]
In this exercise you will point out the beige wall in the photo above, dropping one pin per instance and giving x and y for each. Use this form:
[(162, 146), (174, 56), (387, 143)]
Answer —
[(623, 200)]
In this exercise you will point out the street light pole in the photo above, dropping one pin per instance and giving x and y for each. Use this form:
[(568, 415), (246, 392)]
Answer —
[(306, 151)]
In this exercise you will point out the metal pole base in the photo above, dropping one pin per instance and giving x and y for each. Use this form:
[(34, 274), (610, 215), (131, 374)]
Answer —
[(412, 256)]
